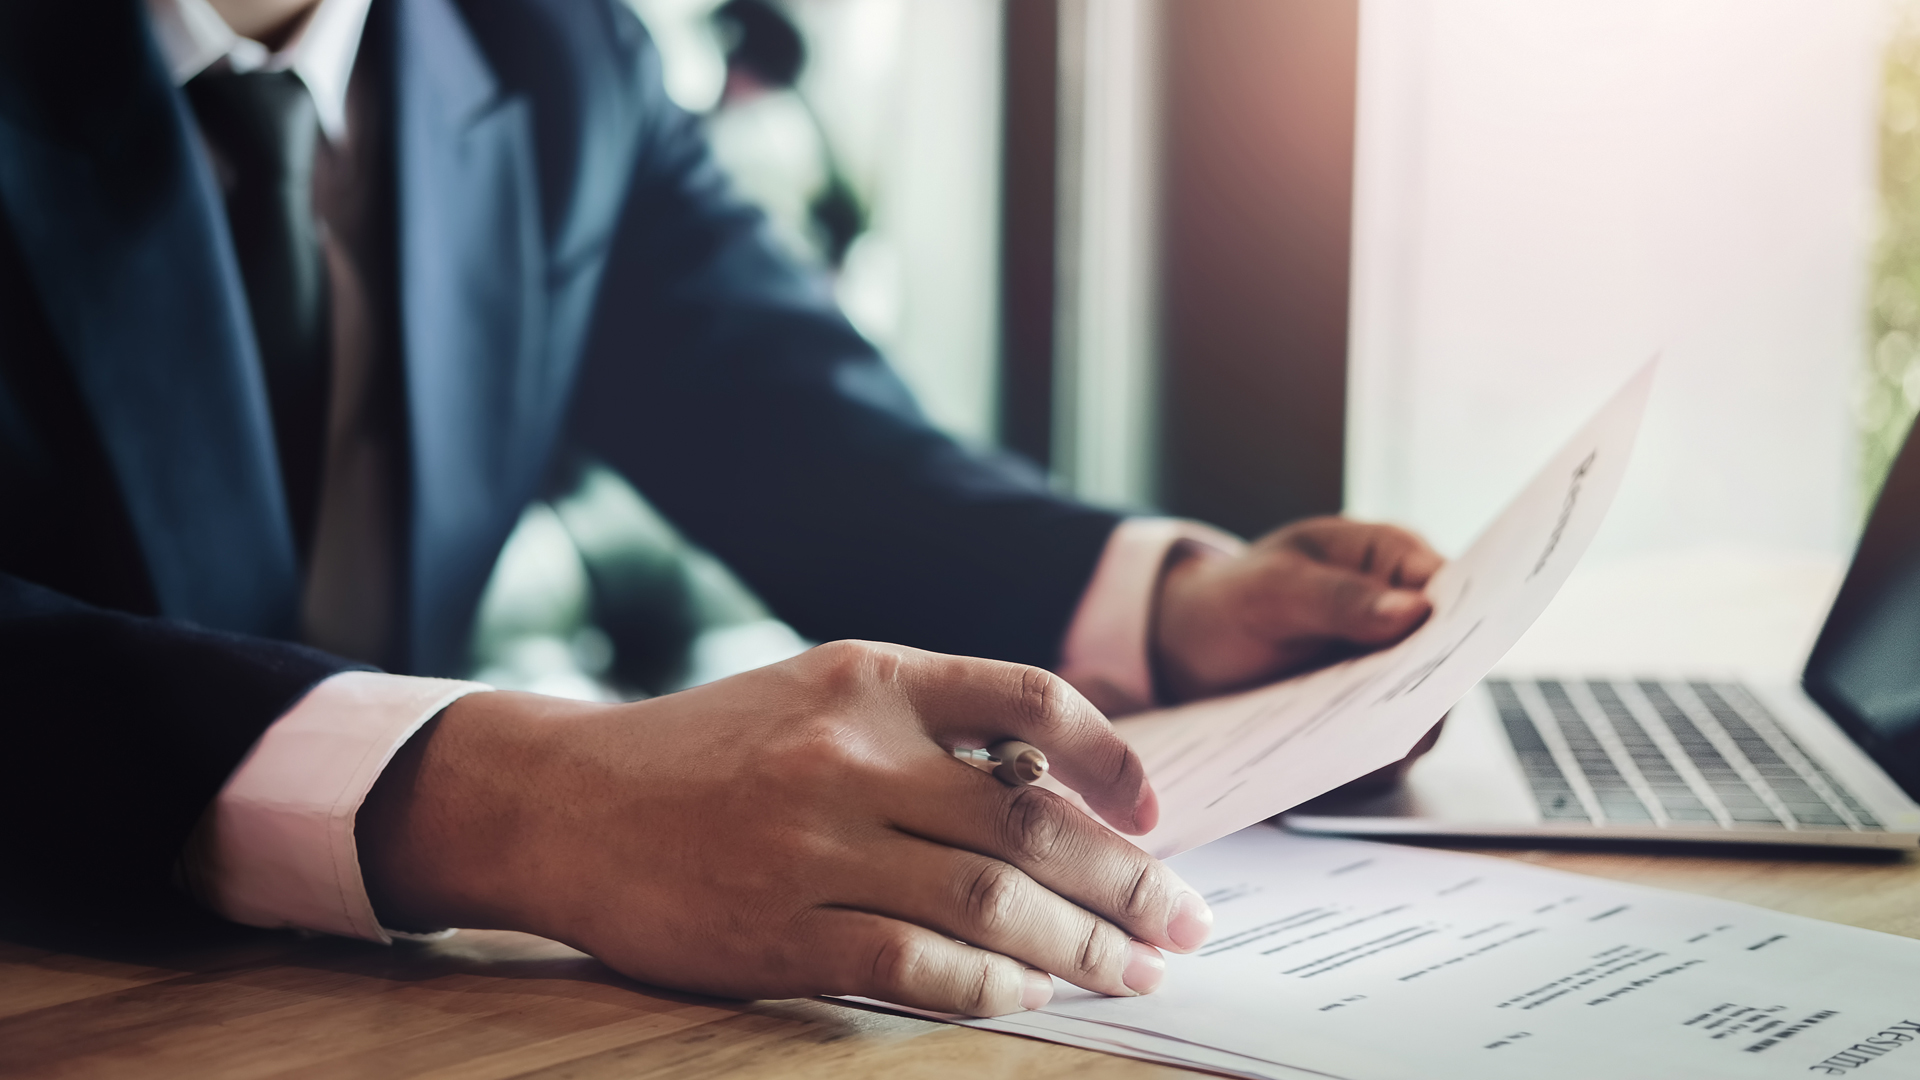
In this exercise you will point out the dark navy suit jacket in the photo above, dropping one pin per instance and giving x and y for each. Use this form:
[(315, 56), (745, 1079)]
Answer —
[(570, 268)]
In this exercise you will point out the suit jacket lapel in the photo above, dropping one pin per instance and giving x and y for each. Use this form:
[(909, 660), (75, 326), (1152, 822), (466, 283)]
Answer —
[(121, 222), (474, 308)]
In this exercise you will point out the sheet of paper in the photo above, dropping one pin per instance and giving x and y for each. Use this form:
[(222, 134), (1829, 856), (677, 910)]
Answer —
[(1368, 961), (1146, 1048), (1224, 764)]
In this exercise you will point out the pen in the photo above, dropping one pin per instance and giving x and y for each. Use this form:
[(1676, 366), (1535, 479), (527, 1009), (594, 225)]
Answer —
[(1011, 761)]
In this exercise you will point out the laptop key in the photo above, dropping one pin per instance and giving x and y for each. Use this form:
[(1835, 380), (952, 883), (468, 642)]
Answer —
[(1731, 700), (1618, 801), (1551, 791), (1625, 810)]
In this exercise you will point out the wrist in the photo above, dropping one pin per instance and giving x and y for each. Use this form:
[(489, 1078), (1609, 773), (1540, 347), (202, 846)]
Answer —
[(446, 834), (1171, 623)]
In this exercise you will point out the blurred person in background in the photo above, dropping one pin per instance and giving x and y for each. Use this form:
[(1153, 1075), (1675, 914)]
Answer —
[(299, 298), (773, 142)]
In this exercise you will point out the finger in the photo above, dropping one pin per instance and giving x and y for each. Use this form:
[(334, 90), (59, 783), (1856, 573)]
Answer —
[(1406, 560), (962, 700), (996, 906), (1305, 598), (1055, 844), (870, 955), (1392, 554)]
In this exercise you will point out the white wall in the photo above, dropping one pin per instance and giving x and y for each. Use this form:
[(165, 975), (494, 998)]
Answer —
[(925, 282), (1105, 362), (1549, 193)]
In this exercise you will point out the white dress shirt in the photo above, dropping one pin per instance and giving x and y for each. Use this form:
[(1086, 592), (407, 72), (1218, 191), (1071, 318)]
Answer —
[(277, 847), (193, 37)]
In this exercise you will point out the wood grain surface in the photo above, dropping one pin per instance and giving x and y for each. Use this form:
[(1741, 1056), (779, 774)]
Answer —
[(487, 1005)]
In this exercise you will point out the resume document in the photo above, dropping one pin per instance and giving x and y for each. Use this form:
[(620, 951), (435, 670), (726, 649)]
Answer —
[(1342, 958), (1223, 764)]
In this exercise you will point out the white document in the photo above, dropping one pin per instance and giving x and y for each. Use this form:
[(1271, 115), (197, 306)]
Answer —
[(1361, 961), (1364, 961), (1223, 764)]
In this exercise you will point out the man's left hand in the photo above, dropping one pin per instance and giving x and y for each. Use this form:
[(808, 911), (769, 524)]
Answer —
[(1298, 597)]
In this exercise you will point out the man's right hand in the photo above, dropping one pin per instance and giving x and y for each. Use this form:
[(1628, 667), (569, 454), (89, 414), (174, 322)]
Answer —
[(799, 829)]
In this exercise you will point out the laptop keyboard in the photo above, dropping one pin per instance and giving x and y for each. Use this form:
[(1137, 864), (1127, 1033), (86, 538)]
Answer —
[(1644, 752)]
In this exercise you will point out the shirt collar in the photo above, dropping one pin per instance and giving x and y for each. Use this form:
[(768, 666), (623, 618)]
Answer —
[(193, 37)]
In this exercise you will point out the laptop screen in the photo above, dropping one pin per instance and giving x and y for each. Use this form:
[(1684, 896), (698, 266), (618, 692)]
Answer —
[(1865, 668)]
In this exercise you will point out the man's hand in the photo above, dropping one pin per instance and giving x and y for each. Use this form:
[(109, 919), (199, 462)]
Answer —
[(799, 829), (1300, 596)]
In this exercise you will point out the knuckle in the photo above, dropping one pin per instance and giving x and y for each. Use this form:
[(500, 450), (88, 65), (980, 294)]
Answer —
[(908, 966), (1033, 825), (1146, 895), (992, 899), (850, 669), (1308, 537), (842, 661), (902, 960), (814, 750), (804, 767), (1043, 701), (979, 998), (1101, 950)]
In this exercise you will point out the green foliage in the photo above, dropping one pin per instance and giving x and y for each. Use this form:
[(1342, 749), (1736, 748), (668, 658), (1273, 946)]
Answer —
[(1892, 391)]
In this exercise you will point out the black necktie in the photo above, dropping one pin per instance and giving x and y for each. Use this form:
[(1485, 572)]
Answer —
[(263, 127)]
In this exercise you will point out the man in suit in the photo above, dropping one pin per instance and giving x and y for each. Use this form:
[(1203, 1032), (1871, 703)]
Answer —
[(297, 299)]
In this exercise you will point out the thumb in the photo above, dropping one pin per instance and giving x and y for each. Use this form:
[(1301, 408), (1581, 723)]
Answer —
[(1360, 608)]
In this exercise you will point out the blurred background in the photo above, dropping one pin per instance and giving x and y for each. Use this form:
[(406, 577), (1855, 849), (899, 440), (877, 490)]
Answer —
[(1250, 260)]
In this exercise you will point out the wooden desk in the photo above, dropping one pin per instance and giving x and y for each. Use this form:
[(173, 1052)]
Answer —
[(485, 1005), (488, 1005)]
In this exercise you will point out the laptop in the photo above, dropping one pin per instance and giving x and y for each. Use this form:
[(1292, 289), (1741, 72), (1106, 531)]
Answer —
[(1834, 760)]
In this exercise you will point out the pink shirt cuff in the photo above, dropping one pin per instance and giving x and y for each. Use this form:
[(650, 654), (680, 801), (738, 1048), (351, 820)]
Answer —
[(276, 849), (1105, 654)]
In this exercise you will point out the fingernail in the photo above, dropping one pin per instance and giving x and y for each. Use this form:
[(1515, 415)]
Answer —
[(1395, 603), (1145, 968), (1192, 921), (1036, 990)]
